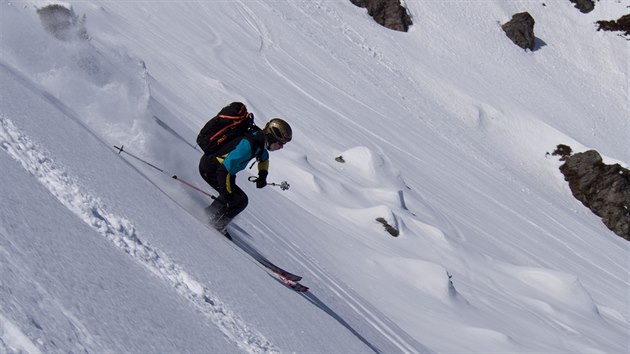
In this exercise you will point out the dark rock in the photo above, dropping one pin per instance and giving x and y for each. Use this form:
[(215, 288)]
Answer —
[(387, 13), (62, 22), (359, 3), (563, 151), (604, 189), (585, 6), (622, 24), (520, 29), (389, 228)]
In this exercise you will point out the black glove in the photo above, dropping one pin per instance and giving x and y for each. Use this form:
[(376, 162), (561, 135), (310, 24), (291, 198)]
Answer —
[(261, 181)]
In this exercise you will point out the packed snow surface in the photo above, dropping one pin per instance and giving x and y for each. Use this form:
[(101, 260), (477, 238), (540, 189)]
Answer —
[(443, 132)]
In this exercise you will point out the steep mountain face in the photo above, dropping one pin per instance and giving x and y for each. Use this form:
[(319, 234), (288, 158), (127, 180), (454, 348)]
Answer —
[(422, 213)]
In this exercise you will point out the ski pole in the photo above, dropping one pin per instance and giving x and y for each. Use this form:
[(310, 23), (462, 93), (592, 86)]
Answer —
[(121, 150), (284, 185)]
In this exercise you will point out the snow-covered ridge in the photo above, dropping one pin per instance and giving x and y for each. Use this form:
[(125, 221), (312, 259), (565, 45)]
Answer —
[(122, 233), (443, 131)]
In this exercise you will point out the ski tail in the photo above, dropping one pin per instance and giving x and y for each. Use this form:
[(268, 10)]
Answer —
[(281, 272), (294, 285)]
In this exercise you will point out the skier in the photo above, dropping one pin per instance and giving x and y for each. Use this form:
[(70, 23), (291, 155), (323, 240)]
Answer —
[(219, 170)]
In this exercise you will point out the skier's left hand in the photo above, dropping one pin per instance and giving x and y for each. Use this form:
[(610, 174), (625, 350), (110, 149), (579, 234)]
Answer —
[(261, 181)]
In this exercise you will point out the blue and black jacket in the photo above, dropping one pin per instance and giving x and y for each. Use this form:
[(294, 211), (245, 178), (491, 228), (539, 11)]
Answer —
[(235, 156)]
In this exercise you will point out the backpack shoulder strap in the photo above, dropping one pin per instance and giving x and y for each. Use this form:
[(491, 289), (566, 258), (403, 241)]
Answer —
[(257, 141), (234, 111)]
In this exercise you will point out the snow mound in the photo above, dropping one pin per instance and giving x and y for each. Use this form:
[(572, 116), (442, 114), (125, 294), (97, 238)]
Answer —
[(426, 278), (368, 168), (560, 290)]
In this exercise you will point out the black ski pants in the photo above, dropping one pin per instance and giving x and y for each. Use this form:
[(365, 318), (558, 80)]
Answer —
[(227, 205)]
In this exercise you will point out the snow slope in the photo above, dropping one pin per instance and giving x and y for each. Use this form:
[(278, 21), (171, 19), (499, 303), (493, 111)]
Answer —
[(444, 132)]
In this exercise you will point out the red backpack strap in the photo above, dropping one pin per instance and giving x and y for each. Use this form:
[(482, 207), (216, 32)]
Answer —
[(241, 114), (226, 128)]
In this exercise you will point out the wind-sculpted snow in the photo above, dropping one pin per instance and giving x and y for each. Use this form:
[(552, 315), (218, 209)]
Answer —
[(123, 234), (492, 252), (12, 339)]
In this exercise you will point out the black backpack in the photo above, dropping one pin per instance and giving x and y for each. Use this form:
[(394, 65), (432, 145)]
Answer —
[(233, 121)]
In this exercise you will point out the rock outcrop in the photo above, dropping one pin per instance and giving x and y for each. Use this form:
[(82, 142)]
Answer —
[(520, 29), (604, 189), (387, 13), (585, 6), (62, 22), (622, 24)]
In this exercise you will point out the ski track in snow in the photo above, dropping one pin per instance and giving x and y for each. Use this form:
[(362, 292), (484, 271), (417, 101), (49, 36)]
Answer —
[(349, 297), (122, 233), (12, 339)]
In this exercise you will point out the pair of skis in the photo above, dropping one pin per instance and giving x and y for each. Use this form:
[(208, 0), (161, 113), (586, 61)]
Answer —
[(289, 279)]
